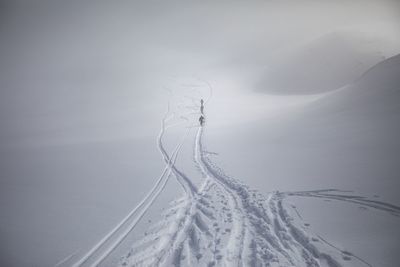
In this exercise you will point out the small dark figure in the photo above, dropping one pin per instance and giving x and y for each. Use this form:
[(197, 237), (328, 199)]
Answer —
[(201, 120), (202, 106)]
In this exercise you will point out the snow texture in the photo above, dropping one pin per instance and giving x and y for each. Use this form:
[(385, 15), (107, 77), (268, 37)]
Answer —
[(221, 221)]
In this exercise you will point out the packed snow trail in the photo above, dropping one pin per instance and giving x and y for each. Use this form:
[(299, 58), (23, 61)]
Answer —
[(235, 247)]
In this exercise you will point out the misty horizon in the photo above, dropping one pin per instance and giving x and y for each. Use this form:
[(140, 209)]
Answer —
[(99, 121)]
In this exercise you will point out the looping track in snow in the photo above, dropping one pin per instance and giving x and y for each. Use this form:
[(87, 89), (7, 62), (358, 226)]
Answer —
[(223, 222)]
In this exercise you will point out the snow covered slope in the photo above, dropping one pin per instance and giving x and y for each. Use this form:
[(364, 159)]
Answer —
[(347, 139), (222, 221), (87, 173), (322, 65)]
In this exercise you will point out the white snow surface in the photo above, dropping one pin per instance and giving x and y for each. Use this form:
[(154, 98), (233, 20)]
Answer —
[(103, 162), (300, 204), (267, 181)]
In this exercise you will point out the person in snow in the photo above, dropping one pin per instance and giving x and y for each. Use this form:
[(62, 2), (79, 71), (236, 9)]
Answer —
[(201, 120), (202, 106)]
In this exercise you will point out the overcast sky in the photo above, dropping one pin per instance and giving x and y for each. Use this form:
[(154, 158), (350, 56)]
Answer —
[(67, 66)]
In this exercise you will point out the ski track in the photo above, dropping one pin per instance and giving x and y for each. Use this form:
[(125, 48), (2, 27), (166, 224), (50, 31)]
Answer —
[(333, 194), (234, 247), (141, 208), (223, 222)]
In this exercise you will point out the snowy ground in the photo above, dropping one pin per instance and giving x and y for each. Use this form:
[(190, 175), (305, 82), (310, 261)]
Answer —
[(293, 200), (102, 160)]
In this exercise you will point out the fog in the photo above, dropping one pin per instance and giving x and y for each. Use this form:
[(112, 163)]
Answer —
[(84, 86), (85, 70)]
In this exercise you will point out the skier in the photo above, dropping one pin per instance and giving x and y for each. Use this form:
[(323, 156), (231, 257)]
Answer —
[(202, 106), (201, 120)]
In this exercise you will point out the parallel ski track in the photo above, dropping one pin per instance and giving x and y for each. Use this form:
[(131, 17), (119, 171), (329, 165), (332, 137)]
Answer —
[(333, 194), (177, 239), (185, 182), (143, 205)]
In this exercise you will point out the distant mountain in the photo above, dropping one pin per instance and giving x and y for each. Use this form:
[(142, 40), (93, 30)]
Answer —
[(375, 93), (325, 64)]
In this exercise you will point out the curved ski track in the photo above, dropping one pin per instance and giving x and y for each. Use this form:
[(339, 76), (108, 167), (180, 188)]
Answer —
[(112, 239)]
